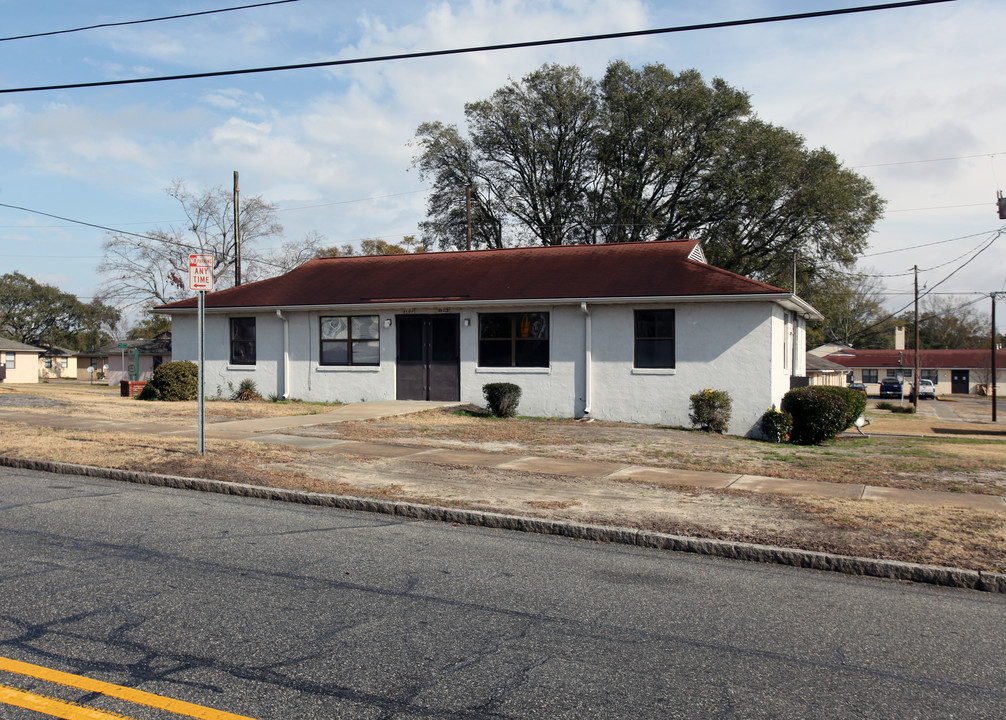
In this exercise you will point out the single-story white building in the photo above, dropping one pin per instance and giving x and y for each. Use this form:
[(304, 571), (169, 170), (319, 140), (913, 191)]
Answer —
[(623, 332)]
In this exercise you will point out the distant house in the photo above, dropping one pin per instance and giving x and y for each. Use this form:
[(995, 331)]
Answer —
[(18, 362), (128, 359), (952, 371), (57, 362), (626, 331), (822, 371)]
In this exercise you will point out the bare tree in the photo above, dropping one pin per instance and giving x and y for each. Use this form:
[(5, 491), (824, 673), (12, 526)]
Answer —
[(140, 269)]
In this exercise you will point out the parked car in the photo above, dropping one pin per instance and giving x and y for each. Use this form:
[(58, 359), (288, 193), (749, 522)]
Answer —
[(927, 389), (890, 387), (857, 386)]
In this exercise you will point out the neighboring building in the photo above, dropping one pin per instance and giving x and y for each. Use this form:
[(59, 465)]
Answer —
[(822, 371), (625, 331), (135, 361), (57, 362), (952, 371), (18, 362)]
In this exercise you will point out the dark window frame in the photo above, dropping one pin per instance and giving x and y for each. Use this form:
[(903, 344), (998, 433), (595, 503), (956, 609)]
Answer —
[(875, 374), (349, 342), (521, 346), (246, 352), (933, 375), (639, 322)]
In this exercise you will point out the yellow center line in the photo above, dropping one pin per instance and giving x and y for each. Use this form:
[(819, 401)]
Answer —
[(138, 697), (52, 707)]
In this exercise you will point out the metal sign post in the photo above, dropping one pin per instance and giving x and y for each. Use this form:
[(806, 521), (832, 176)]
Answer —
[(201, 280)]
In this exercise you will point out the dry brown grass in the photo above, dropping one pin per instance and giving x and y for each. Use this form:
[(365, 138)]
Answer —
[(935, 535)]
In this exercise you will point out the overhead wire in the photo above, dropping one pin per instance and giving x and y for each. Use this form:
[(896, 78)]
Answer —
[(483, 48), (99, 26)]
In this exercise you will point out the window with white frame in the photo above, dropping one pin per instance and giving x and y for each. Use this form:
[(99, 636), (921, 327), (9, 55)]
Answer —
[(350, 340)]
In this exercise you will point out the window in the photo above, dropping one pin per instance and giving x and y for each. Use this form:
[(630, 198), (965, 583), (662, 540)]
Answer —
[(870, 376), (654, 339), (933, 375), (351, 340), (904, 372), (48, 363), (10, 361), (242, 341), (63, 362), (513, 339)]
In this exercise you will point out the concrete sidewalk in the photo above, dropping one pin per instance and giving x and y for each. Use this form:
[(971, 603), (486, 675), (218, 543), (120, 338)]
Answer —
[(270, 430)]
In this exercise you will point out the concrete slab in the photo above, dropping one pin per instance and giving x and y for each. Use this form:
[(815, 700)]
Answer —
[(660, 476), (787, 486), (465, 457), (555, 466), (991, 503), (298, 441), (372, 449)]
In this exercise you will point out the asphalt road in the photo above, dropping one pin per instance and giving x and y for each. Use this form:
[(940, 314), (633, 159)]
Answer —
[(272, 610)]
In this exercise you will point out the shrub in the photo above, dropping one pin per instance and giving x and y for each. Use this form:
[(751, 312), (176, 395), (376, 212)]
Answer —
[(855, 402), (884, 405), (710, 410), (173, 381), (818, 415), (246, 392), (776, 425), (502, 398)]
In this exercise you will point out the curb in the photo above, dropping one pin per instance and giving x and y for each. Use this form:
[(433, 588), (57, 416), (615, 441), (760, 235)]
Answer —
[(851, 565)]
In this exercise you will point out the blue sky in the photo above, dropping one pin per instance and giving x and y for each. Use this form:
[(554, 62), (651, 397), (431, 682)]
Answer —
[(911, 98)]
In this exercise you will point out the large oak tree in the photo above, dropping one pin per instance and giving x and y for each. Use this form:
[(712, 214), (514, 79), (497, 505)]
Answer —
[(643, 154)]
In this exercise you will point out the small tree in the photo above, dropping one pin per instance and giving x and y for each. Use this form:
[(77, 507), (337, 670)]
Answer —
[(711, 410), (776, 425)]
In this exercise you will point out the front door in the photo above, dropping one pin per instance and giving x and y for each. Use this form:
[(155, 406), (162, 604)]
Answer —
[(428, 357), (960, 382)]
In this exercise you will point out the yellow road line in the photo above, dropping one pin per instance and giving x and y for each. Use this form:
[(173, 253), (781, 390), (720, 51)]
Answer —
[(52, 707), (139, 697)]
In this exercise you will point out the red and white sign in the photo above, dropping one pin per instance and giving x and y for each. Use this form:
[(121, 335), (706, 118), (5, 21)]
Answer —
[(201, 272)]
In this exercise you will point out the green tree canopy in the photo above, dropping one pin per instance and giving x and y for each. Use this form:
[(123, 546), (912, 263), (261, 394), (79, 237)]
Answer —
[(643, 154), (44, 315)]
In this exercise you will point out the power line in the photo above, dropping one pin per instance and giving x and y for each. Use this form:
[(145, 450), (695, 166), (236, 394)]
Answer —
[(931, 160), (916, 247), (140, 22), (484, 48)]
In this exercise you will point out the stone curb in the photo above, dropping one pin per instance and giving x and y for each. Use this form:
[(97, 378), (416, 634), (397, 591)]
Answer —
[(889, 569)]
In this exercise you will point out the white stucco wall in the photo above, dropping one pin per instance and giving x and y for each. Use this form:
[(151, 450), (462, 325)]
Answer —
[(25, 368), (736, 347)]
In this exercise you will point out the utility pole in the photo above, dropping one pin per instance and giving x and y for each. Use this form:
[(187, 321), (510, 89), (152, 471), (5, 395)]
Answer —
[(468, 214), (237, 232), (915, 369), (794, 272), (993, 364)]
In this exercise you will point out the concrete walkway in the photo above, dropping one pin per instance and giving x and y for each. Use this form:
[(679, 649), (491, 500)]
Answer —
[(270, 430)]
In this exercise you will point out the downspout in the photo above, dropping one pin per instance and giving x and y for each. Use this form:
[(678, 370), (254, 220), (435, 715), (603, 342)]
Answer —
[(587, 363), (286, 353)]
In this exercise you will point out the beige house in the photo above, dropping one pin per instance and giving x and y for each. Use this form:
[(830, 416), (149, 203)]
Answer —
[(57, 362), (18, 362)]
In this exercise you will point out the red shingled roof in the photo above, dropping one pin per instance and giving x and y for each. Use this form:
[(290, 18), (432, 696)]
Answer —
[(928, 359), (652, 269)]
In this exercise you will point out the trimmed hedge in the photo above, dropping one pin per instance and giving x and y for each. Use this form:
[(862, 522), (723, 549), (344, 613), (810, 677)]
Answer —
[(776, 425), (173, 381), (711, 410), (502, 398), (818, 414), (855, 402)]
